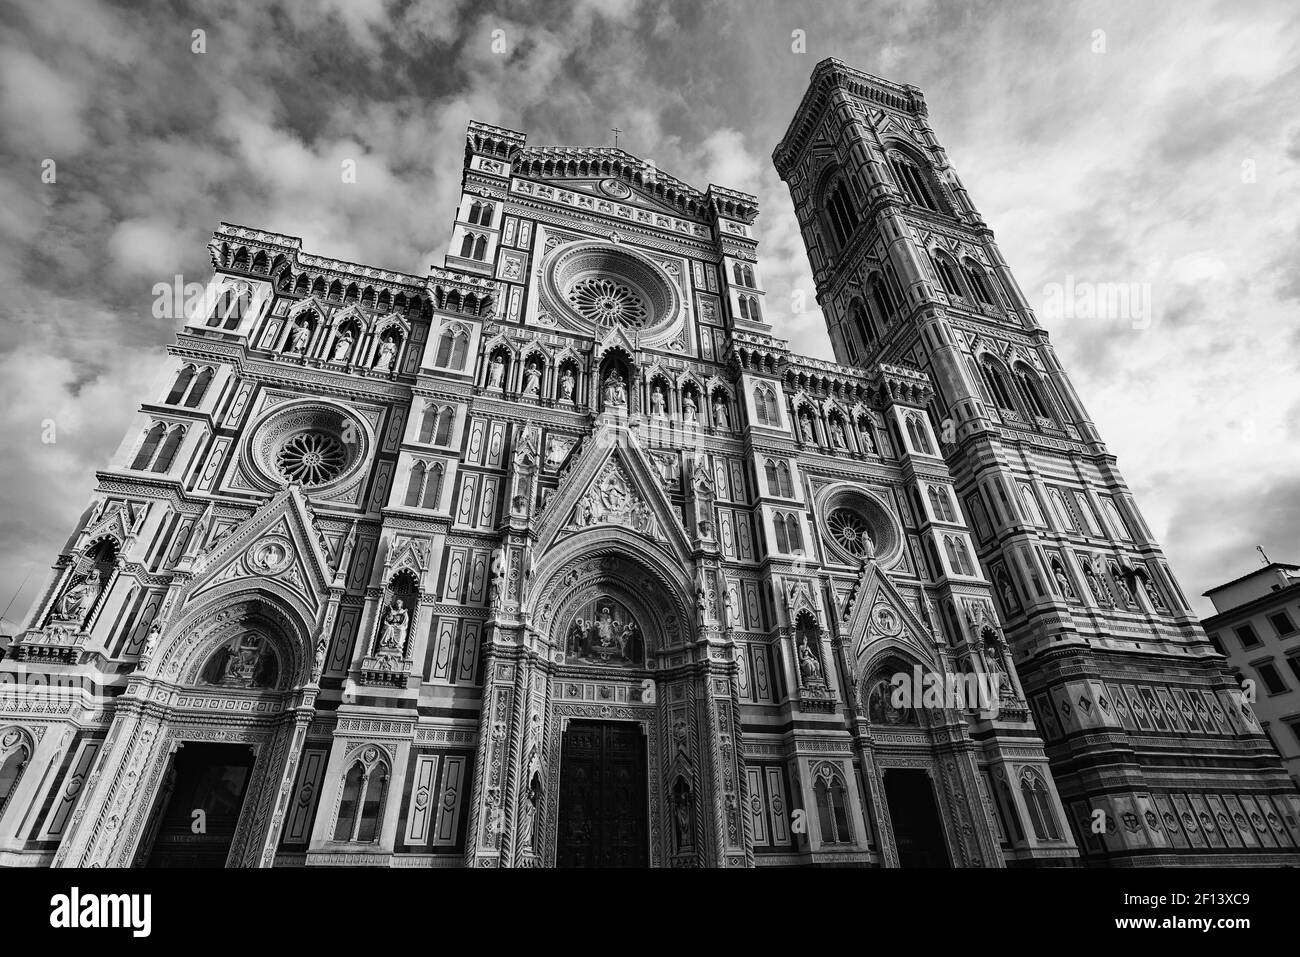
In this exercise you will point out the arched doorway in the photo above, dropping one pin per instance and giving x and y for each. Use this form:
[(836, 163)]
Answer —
[(617, 726)]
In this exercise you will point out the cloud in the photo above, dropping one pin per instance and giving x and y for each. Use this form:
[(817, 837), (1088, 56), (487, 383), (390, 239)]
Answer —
[(1127, 166)]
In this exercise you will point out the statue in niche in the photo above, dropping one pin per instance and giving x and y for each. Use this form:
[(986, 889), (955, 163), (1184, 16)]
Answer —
[(809, 666), (567, 383), (1152, 594), (720, 418), (298, 337), (151, 642), (342, 348), (657, 404), (387, 355), (1094, 584), (688, 409), (496, 372), (615, 390), (837, 435), (393, 638), (806, 429), (1125, 593), (80, 597), (1062, 581), (868, 443), (532, 380), (682, 803), (318, 665)]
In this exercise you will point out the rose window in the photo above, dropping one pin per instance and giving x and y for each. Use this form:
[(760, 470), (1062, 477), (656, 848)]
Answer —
[(311, 458), (847, 528), (608, 303)]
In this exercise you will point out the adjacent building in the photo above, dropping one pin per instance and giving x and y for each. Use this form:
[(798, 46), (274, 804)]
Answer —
[(1256, 625)]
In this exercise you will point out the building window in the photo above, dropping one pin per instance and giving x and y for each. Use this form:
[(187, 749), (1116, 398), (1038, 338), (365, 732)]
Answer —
[(452, 345), (947, 276), (361, 807), (1294, 664), (997, 385), (1038, 801), (765, 405), (1246, 635), (978, 282), (1272, 680), (480, 213), (832, 807), (15, 752), (916, 432), (1281, 623), (840, 212), (912, 183)]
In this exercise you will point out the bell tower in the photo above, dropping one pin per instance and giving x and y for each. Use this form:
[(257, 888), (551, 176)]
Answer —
[(1125, 687)]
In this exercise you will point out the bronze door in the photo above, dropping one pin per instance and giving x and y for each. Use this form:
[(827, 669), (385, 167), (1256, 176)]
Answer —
[(207, 778), (602, 796)]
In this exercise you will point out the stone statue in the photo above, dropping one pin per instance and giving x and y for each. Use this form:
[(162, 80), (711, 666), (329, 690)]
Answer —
[(567, 382), (1062, 581), (496, 372), (868, 547), (720, 419), (615, 390), (322, 645), (532, 380), (342, 348), (837, 435), (806, 429), (657, 404), (387, 355), (809, 667), (79, 598), (298, 338), (151, 642), (688, 409), (396, 618), (1152, 594)]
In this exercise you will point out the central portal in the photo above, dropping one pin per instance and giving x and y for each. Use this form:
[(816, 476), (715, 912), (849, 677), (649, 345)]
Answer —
[(602, 796), (199, 807)]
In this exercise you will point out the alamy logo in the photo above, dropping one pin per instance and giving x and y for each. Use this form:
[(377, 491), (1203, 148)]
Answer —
[(74, 910)]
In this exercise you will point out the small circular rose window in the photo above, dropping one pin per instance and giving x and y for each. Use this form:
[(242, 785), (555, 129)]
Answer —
[(608, 303), (311, 458)]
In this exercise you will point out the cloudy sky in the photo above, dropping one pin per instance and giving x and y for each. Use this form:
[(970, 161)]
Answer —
[(1155, 144)]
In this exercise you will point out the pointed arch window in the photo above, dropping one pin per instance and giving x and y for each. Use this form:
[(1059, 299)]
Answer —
[(230, 308), (181, 385), (167, 453), (947, 276), (452, 346), (480, 213), (979, 281), (361, 805), (940, 504), (480, 248), (1038, 801), (428, 422), (841, 214), (467, 246), (149, 446), (15, 753), (795, 534), (199, 389), (912, 182), (918, 434), (1032, 390), (446, 419), (832, 807), (997, 385), (415, 485), (737, 274), (881, 301), (782, 537), (783, 479), (765, 405), (862, 321), (432, 487), (773, 482)]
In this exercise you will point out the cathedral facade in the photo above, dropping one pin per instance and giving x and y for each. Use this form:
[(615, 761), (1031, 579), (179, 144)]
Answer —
[(558, 556)]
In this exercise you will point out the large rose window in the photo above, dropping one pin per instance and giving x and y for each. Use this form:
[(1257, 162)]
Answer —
[(858, 526), (591, 286), (605, 302), (311, 458)]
